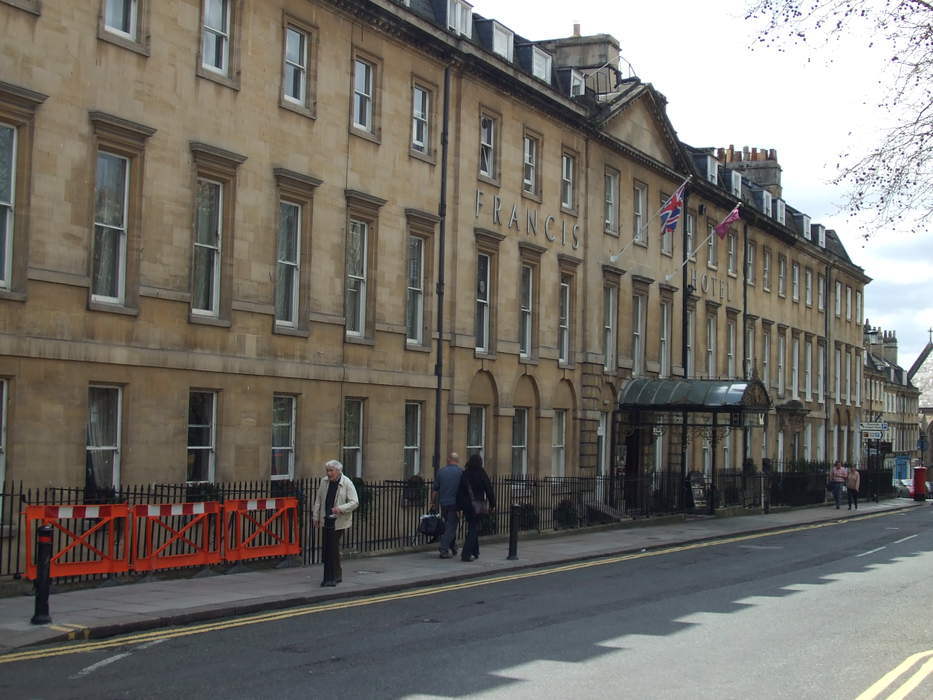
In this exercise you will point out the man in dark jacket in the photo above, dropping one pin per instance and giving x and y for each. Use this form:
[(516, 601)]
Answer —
[(444, 495)]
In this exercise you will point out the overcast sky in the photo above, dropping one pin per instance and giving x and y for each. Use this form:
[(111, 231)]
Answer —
[(810, 104)]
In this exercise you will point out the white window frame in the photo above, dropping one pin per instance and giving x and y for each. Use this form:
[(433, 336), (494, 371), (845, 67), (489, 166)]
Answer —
[(795, 281), (115, 448), (295, 67), (750, 250), (356, 324), (820, 292), (520, 442), (131, 18), (820, 372), (838, 299), (639, 308), (848, 303), (639, 205), (610, 305), (808, 286), (288, 447), (782, 275), (766, 358), (7, 212), (482, 313), (211, 446), (781, 360), (352, 445), (540, 64), (476, 417), (766, 270), (420, 118), (732, 241), (664, 341), (712, 249), (858, 307), (219, 36), (530, 148), (577, 83), (808, 370), (414, 293), (780, 211), (731, 332), (563, 320), (712, 170), (711, 347), (460, 17), (211, 251), (690, 223), (288, 263), (503, 41), (736, 183), (364, 73), (116, 229), (567, 180), (487, 145), (559, 442), (748, 351), (795, 367), (611, 201), (526, 310), (838, 378), (411, 452), (848, 377), (691, 331)]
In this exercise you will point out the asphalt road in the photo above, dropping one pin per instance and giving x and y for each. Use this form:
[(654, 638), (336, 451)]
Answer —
[(820, 612)]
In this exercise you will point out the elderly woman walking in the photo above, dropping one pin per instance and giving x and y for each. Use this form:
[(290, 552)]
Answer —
[(334, 504)]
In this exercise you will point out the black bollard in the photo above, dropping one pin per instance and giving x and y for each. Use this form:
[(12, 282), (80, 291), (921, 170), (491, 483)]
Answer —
[(514, 513), (43, 563), (330, 551)]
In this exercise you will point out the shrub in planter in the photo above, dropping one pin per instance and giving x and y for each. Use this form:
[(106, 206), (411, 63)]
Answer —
[(565, 515), (527, 517), (414, 491), (364, 493)]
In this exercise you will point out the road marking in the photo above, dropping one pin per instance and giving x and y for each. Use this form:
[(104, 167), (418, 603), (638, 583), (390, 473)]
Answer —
[(870, 551), (909, 685), (904, 539), (100, 664), (313, 609)]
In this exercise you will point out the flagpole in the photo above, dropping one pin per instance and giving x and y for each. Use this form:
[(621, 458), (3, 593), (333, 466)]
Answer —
[(670, 275), (615, 256)]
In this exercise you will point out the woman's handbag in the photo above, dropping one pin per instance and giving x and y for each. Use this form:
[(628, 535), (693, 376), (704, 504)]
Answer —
[(480, 506)]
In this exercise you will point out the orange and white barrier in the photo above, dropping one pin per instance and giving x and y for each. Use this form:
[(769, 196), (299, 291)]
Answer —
[(191, 534), (260, 527), (82, 546)]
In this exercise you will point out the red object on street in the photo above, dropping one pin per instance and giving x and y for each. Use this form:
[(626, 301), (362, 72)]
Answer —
[(260, 527), (189, 533), (920, 483)]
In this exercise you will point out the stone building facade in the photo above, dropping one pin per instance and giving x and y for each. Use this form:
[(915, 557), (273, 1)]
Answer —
[(242, 237)]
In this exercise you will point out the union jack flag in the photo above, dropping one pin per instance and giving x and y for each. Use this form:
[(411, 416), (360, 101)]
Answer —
[(672, 209)]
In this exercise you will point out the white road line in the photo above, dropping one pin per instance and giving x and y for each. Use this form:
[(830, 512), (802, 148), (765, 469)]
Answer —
[(870, 551), (904, 539), (150, 644), (100, 664)]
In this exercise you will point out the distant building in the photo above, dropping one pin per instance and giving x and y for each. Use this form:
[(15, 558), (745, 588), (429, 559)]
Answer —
[(236, 244), (921, 375)]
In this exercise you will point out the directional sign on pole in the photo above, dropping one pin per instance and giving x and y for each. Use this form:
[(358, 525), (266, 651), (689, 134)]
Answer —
[(883, 427), (871, 434)]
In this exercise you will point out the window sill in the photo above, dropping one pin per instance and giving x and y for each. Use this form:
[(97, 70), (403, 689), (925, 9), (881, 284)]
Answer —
[(290, 331), (303, 110), (32, 6), (533, 361), (641, 244), (565, 365), (569, 211), (358, 340), (123, 42), (489, 180), (715, 268), (417, 347), (611, 232), (11, 295), (112, 308), (667, 253), (371, 136), (484, 354), (732, 273), (422, 156), (533, 196), (219, 78), (208, 320)]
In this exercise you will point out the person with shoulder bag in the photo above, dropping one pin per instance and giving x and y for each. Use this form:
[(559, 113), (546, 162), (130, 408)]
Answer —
[(476, 498), (853, 481)]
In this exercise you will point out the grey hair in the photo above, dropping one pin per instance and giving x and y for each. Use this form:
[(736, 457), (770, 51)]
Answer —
[(333, 464)]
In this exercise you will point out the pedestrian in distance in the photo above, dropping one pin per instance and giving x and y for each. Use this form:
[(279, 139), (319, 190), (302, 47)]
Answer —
[(444, 497), (853, 481), (476, 498), (334, 503), (837, 479)]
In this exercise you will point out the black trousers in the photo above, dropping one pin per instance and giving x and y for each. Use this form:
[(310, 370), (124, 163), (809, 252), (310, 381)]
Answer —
[(332, 557)]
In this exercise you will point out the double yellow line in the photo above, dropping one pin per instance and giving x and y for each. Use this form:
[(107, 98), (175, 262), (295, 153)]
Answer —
[(909, 685), (129, 640)]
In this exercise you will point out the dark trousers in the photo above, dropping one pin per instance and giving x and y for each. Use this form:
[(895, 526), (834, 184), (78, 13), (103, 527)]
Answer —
[(471, 543), (337, 574), (853, 498), (451, 523), (837, 492)]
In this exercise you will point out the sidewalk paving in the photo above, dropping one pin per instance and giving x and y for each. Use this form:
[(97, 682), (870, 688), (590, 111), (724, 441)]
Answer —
[(110, 610)]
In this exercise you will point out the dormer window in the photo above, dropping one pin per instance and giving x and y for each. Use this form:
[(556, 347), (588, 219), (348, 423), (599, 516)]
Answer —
[(736, 184), (764, 201), (821, 237), (460, 17), (541, 64), (502, 41), (577, 83), (712, 170), (780, 213), (805, 226)]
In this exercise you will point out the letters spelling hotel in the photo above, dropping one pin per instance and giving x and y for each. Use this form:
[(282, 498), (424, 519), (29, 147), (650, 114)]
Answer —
[(236, 243)]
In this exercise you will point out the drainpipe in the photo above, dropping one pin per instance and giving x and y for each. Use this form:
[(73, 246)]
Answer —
[(441, 275), (684, 329)]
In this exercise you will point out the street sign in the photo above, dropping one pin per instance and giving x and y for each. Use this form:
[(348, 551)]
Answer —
[(874, 426), (871, 434)]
